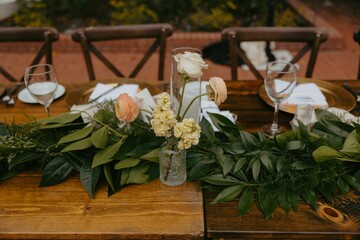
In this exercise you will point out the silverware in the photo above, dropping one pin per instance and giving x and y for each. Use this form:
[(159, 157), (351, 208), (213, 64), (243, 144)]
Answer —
[(352, 91), (106, 92), (11, 94)]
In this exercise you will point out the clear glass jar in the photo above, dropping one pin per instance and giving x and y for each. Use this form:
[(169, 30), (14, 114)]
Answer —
[(172, 163)]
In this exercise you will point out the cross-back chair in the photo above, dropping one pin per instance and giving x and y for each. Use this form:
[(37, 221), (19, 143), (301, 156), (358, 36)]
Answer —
[(24, 34), (357, 39), (158, 32), (311, 37)]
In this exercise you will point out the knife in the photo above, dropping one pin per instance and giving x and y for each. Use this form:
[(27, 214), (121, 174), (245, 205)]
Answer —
[(352, 91), (106, 92)]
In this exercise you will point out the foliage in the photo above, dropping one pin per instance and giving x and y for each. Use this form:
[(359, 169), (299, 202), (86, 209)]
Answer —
[(203, 15), (277, 172), (249, 167)]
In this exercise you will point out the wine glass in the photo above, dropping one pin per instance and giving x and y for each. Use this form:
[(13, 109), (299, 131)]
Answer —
[(41, 82), (279, 83)]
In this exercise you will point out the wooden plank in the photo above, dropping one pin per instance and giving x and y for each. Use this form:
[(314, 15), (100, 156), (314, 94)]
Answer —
[(148, 211)]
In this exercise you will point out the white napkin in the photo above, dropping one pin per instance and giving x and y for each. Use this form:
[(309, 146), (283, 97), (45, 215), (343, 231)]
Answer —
[(307, 93), (147, 103), (100, 88)]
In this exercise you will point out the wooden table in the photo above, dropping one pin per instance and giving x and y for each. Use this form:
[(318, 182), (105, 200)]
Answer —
[(65, 211), (222, 221), (154, 211)]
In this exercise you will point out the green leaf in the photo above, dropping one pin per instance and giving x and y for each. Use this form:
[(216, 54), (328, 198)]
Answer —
[(280, 163), (221, 180), (61, 119), (309, 196), (152, 156), (225, 162), (325, 153), (295, 145), (80, 134), (108, 176), (55, 171), (136, 175), (106, 155), (100, 138), (207, 130), (77, 158), (352, 181), (256, 169), (103, 115), (249, 140), (245, 201), (24, 157), (294, 199), (343, 185), (283, 199), (299, 165), (265, 159), (228, 194), (127, 163), (78, 145), (4, 131), (239, 164), (221, 122), (267, 200), (89, 177)]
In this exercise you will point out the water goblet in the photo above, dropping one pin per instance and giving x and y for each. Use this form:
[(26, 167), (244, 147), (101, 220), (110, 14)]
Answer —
[(279, 83), (41, 82)]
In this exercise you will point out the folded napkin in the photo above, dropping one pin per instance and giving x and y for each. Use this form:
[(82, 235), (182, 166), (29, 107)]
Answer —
[(307, 93), (101, 88)]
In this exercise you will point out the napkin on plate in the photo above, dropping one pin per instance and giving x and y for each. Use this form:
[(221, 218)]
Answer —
[(211, 107), (307, 93), (101, 88)]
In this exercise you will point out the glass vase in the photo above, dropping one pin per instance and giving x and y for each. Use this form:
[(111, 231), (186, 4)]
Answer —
[(183, 91), (172, 163)]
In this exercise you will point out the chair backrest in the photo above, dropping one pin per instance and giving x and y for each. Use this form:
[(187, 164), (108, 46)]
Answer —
[(23, 34), (158, 32), (357, 39), (311, 37)]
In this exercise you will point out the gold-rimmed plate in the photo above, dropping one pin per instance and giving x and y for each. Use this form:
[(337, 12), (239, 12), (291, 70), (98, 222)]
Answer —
[(336, 96), (81, 95)]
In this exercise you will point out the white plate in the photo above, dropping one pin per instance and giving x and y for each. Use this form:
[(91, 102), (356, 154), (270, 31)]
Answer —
[(26, 97)]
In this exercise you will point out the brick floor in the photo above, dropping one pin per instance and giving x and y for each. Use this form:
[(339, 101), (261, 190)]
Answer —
[(338, 58)]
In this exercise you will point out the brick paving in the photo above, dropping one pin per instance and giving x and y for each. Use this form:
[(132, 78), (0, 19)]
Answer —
[(338, 58)]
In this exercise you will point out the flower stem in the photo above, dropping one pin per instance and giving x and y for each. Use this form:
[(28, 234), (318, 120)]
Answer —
[(184, 77), (192, 101)]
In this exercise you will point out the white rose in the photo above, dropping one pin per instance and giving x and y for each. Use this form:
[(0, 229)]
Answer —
[(190, 64)]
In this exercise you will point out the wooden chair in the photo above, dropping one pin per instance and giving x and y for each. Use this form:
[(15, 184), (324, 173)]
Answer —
[(357, 39), (23, 34), (311, 37), (158, 32)]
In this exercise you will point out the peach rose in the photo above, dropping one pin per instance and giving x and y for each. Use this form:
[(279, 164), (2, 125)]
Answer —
[(216, 90), (126, 108)]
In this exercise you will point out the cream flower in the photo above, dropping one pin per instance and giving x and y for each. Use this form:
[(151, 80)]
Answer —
[(126, 108), (216, 90), (189, 133), (190, 64), (163, 119)]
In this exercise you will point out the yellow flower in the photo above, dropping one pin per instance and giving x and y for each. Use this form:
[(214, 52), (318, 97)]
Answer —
[(189, 133), (163, 119)]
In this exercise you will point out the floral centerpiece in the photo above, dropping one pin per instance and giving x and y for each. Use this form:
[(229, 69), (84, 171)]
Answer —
[(118, 146)]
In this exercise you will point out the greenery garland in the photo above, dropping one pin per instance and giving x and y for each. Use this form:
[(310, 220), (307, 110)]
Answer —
[(299, 164)]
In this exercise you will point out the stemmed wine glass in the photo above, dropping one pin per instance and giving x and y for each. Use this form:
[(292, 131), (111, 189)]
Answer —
[(279, 83), (41, 82)]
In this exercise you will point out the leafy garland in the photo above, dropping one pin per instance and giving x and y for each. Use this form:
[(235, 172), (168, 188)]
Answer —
[(299, 164)]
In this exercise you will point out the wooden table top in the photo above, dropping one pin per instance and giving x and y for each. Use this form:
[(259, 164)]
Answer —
[(65, 211), (152, 211)]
